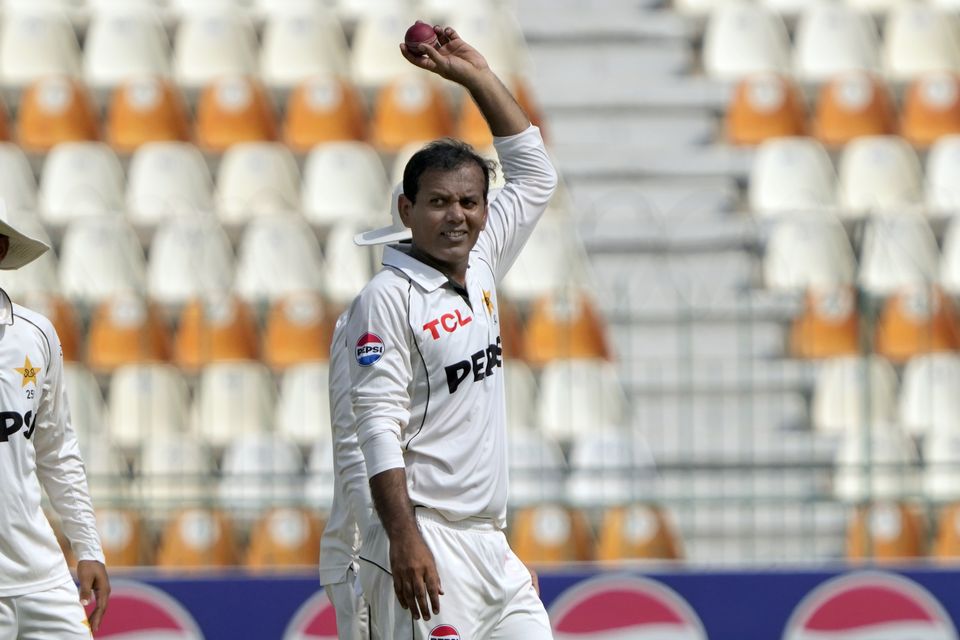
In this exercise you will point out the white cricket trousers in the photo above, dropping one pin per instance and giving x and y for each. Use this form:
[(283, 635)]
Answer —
[(488, 594), (351, 609), (46, 615)]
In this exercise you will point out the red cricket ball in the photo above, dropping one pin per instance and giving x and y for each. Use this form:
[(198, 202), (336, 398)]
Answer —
[(419, 32)]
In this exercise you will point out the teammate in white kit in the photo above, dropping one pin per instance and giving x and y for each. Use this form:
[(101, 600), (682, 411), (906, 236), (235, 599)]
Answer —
[(38, 449), (428, 393), (352, 508)]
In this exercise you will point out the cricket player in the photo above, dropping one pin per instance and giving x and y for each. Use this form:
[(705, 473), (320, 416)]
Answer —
[(428, 393), (39, 450)]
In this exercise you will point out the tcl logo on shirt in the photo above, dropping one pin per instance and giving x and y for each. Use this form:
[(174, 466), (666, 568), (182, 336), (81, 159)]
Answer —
[(483, 363), (450, 322)]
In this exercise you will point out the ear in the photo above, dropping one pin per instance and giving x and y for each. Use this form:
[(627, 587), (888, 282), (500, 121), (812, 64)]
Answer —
[(405, 208)]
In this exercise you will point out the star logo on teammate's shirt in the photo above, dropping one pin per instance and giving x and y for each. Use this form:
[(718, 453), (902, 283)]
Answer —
[(488, 301), (28, 371)]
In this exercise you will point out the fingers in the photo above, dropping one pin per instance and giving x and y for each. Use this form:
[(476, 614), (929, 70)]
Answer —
[(435, 590)]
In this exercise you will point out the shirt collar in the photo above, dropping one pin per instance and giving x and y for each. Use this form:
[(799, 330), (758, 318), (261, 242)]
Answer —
[(6, 308), (423, 274)]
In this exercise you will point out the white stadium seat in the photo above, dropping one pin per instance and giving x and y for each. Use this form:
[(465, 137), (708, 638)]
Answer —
[(840, 390), (375, 57), (80, 179), (942, 186), (260, 471), (879, 465), (347, 267), (299, 44), (879, 174), (278, 255), (18, 187), (577, 395), (610, 466), (254, 179), (210, 45), (929, 402), (343, 180), (303, 408), (832, 38), (791, 175), (537, 468), (175, 471), (88, 411), (34, 44), (898, 251), (919, 38), (808, 252), (100, 258), (743, 38), (147, 401), (167, 179), (233, 399), (122, 46), (190, 257)]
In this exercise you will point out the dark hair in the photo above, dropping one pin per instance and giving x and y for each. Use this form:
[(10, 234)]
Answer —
[(445, 154)]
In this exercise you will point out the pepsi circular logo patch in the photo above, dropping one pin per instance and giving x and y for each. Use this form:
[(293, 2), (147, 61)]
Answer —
[(444, 632), (369, 349)]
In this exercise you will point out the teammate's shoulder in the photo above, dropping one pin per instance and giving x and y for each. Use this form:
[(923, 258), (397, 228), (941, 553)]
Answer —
[(34, 318)]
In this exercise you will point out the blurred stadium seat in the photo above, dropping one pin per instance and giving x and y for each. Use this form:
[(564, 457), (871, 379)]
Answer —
[(741, 39), (343, 181), (231, 110), (791, 175), (303, 407), (323, 108), (255, 179), (851, 105), (833, 38), (578, 394), (167, 179), (260, 471), (278, 255), (638, 531), (148, 403), (214, 328), (284, 537), (126, 329), (808, 251), (914, 321), (928, 403), (851, 392), (80, 179), (124, 45), (829, 325), (190, 257), (297, 331), (100, 257), (300, 44), (564, 326), (212, 44), (550, 533), (35, 43), (408, 109), (143, 110), (764, 106), (197, 538), (886, 532), (233, 399), (123, 537), (52, 110), (879, 174), (931, 108), (942, 185), (919, 38), (898, 251)]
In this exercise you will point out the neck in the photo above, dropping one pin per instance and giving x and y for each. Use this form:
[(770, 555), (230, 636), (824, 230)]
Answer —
[(458, 275)]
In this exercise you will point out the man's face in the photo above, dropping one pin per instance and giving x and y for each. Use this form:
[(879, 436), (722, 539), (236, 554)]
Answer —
[(448, 216)]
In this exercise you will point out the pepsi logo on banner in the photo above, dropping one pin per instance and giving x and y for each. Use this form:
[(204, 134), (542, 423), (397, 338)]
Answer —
[(624, 608), (444, 632), (141, 612), (869, 606), (369, 349), (316, 619)]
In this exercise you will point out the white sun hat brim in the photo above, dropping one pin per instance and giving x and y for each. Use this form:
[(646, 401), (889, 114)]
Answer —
[(22, 249), (397, 232)]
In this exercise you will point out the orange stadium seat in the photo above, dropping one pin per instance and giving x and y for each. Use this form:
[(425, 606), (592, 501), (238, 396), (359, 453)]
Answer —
[(829, 325), (52, 110), (297, 330), (409, 109), (126, 329), (561, 327), (946, 545), (197, 538), (931, 108), (213, 330), (551, 533), (322, 109), (511, 329), (851, 105), (764, 106), (231, 110), (474, 130), (4, 121), (915, 321), (64, 319), (145, 110), (635, 532), (122, 535), (885, 532), (284, 537)]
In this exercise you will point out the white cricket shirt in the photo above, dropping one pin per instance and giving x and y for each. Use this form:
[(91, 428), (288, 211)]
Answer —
[(426, 361), (352, 507), (38, 448)]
